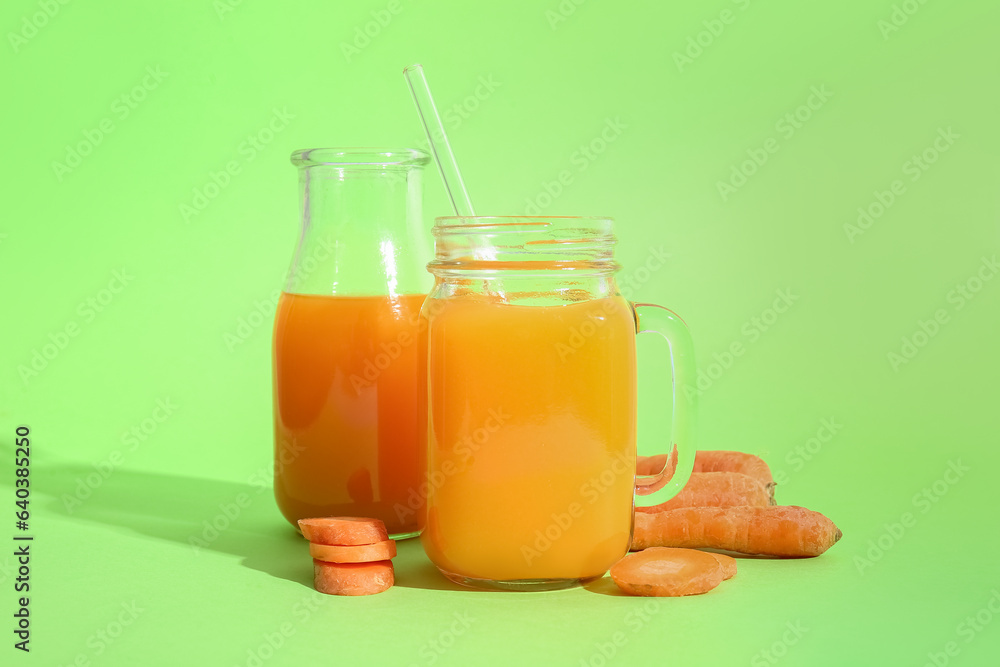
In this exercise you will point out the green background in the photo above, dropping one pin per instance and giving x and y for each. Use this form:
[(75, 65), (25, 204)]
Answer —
[(884, 595)]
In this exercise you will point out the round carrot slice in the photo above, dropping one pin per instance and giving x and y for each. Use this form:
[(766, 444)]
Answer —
[(343, 530), (667, 572), (359, 553), (728, 564), (353, 578)]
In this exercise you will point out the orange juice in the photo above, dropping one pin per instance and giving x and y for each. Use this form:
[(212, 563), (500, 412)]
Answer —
[(345, 407), (531, 438)]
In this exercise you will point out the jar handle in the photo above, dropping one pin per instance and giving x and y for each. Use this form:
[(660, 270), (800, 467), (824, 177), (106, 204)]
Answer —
[(660, 484)]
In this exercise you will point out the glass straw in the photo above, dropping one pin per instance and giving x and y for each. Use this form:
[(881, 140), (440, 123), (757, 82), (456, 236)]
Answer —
[(438, 140)]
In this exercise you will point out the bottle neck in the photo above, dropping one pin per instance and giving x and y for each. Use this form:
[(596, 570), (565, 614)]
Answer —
[(361, 231)]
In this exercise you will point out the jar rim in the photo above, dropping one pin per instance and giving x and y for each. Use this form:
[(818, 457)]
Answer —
[(523, 245), (360, 157), (449, 220), (595, 226)]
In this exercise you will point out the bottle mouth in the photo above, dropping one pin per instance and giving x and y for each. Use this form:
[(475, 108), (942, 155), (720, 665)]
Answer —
[(523, 244), (379, 158)]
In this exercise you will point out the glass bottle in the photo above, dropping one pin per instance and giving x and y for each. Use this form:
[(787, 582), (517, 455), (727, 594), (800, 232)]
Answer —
[(345, 339)]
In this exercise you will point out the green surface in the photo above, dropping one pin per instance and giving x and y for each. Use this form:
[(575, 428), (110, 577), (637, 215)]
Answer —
[(184, 328)]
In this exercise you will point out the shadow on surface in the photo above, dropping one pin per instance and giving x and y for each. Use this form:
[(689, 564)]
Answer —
[(233, 518), (238, 519), (604, 586), (213, 515), (415, 570)]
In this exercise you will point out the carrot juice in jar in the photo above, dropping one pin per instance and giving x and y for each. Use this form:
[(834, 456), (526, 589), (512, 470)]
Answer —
[(345, 348), (537, 464), (531, 403)]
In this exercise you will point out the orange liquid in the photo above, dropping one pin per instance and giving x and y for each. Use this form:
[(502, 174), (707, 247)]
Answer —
[(345, 407), (531, 452)]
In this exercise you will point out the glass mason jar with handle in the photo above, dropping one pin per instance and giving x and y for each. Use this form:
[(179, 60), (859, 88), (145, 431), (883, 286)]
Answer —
[(345, 339), (531, 403)]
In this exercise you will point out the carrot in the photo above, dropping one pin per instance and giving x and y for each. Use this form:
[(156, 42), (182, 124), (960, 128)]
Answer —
[(728, 564), (718, 489), (723, 461), (709, 461), (773, 531), (651, 465), (667, 572), (343, 530), (352, 578), (361, 553)]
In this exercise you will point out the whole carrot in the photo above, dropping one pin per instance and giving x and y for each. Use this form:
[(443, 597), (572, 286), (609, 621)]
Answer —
[(786, 531), (723, 461), (710, 461), (652, 465), (718, 489)]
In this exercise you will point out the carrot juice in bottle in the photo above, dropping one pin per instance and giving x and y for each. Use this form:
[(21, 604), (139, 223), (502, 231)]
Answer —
[(346, 344)]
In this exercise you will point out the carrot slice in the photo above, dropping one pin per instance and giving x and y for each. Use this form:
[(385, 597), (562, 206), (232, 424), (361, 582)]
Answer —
[(359, 553), (667, 572), (343, 530), (353, 578), (728, 564)]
